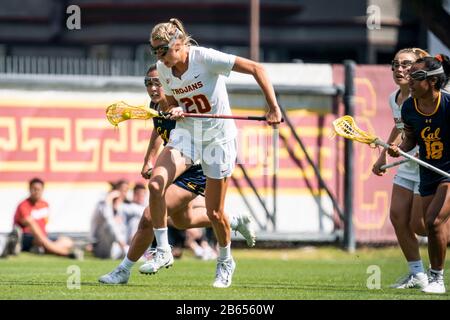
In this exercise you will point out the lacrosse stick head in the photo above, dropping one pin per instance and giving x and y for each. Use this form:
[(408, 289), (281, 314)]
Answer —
[(121, 111), (346, 127)]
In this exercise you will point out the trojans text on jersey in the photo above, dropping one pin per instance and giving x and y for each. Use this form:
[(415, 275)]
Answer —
[(188, 88)]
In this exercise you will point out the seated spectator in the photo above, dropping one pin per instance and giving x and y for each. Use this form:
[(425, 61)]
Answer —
[(140, 195), (112, 221), (196, 241), (134, 210), (31, 217)]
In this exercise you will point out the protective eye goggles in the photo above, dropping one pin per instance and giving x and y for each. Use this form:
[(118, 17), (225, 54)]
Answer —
[(395, 64), (421, 75), (161, 50), (152, 81)]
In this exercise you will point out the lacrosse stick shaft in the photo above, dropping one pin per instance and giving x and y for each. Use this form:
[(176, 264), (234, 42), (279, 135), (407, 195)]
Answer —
[(275, 146), (393, 164), (223, 116), (410, 157)]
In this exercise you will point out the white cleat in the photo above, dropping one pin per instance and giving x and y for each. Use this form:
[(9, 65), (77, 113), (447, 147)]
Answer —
[(244, 227), (148, 255), (435, 284), (161, 259), (224, 273), (117, 276), (419, 280)]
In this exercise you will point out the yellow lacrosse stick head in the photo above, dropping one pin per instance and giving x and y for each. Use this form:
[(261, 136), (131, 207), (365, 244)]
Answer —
[(121, 111), (346, 127)]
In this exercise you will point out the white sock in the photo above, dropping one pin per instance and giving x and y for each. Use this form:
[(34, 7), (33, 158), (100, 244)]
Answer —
[(439, 272), (162, 238), (127, 264), (225, 252), (415, 267)]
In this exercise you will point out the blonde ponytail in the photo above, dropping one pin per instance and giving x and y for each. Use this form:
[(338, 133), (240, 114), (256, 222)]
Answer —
[(166, 30)]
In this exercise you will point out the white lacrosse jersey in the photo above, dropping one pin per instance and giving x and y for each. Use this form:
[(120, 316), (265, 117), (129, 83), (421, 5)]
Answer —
[(410, 169), (202, 89)]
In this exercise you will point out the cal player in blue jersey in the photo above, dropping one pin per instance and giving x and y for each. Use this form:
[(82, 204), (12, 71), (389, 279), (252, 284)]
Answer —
[(185, 209), (405, 212), (426, 115)]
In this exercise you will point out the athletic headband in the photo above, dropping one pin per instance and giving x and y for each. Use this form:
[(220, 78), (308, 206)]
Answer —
[(421, 75), (174, 38), (435, 71)]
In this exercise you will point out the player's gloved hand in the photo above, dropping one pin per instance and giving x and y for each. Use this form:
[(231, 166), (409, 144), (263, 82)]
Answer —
[(176, 113)]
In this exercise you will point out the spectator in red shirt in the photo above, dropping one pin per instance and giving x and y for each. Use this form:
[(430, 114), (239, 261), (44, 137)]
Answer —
[(32, 217)]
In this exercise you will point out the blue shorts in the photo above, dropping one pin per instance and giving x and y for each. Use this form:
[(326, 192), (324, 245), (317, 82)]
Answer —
[(28, 241), (193, 180), (430, 188)]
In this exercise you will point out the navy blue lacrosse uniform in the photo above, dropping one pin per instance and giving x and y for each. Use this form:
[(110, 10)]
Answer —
[(193, 179), (432, 132)]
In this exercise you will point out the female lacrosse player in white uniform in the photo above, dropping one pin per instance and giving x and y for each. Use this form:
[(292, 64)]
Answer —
[(193, 81), (179, 197), (406, 207)]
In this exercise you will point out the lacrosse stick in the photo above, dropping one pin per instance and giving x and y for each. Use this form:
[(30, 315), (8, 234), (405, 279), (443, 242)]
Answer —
[(346, 127), (393, 164), (121, 111)]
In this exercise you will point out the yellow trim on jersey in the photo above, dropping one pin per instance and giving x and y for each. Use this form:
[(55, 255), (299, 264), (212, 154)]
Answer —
[(435, 109)]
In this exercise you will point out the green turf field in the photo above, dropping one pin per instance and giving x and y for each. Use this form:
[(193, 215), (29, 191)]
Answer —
[(292, 274)]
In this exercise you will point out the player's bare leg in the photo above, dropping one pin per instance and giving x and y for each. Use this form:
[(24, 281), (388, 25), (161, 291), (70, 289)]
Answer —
[(177, 202), (143, 237), (169, 165), (141, 241), (215, 202), (417, 222), (63, 246), (182, 212), (437, 212), (183, 216), (400, 214)]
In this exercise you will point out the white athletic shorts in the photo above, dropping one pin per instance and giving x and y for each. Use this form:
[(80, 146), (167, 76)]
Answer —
[(217, 159), (407, 184)]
